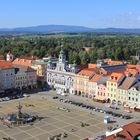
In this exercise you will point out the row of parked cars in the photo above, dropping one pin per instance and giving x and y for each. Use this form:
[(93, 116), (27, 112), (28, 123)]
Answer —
[(13, 97), (93, 108), (4, 99)]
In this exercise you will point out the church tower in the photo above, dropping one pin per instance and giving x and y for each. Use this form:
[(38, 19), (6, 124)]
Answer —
[(62, 56), (61, 65)]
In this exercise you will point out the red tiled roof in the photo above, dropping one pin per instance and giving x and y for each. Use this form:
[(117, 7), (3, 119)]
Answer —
[(92, 65), (95, 78), (130, 66), (5, 64), (24, 62), (1, 58), (28, 57), (128, 133), (115, 77), (134, 72), (111, 62), (86, 72)]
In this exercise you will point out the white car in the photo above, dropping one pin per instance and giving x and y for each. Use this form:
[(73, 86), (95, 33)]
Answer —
[(26, 95), (58, 92), (64, 94)]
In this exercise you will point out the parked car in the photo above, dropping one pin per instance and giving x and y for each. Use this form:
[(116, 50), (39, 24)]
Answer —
[(26, 95), (55, 97)]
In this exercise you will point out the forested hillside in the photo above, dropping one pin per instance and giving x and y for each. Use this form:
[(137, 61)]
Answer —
[(117, 47)]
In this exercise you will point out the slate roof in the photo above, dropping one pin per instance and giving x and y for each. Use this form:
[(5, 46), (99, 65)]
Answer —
[(127, 83), (102, 79), (23, 68), (113, 67), (137, 86)]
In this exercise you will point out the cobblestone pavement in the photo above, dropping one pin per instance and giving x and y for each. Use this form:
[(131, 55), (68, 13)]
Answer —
[(55, 120)]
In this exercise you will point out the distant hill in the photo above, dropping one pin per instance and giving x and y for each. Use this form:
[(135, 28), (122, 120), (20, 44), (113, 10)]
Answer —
[(65, 29)]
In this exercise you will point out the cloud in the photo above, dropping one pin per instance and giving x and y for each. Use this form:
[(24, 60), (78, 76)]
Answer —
[(125, 20)]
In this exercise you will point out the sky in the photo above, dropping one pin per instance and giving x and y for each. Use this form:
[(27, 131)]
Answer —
[(89, 13)]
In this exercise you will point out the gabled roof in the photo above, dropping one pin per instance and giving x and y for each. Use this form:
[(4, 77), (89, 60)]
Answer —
[(113, 67), (103, 79), (133, 72), (111, 62), (115, 77), (137, 86), (5, 65), (127, 83), (86, 72), (95, 78), (24, 62), (130, 66), (92, 65), (24, 68)]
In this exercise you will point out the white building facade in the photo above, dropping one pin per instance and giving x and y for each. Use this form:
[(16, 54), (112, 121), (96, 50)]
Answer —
[(61, 77)]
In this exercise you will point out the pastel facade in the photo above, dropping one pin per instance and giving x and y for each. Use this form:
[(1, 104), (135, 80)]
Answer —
[(93, 87), (41, 68), (101, 88), (123, 93), (7, 75), (112, 86), (134, 95), (25, 77), (101, 92), (82, 86)]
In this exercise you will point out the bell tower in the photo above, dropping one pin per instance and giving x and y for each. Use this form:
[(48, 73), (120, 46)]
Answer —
[(61, 65), (62, 56)]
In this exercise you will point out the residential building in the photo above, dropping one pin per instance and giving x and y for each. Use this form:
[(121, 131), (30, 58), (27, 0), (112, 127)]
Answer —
[(40, 65), (7, 75), (25, 77), (24, 61), (134, 95), (41, 68), (81, 82), (101, 88), (93, 85), (122, 97), (112, 85)]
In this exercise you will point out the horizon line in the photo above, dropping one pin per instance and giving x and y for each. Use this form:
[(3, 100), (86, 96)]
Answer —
[(70, 25)]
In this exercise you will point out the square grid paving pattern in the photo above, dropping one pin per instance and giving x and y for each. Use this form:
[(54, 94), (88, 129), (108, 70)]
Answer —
[(55, 121)]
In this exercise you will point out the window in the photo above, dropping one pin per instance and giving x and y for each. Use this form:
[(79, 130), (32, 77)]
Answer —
[(136, 99), (129, 98)]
